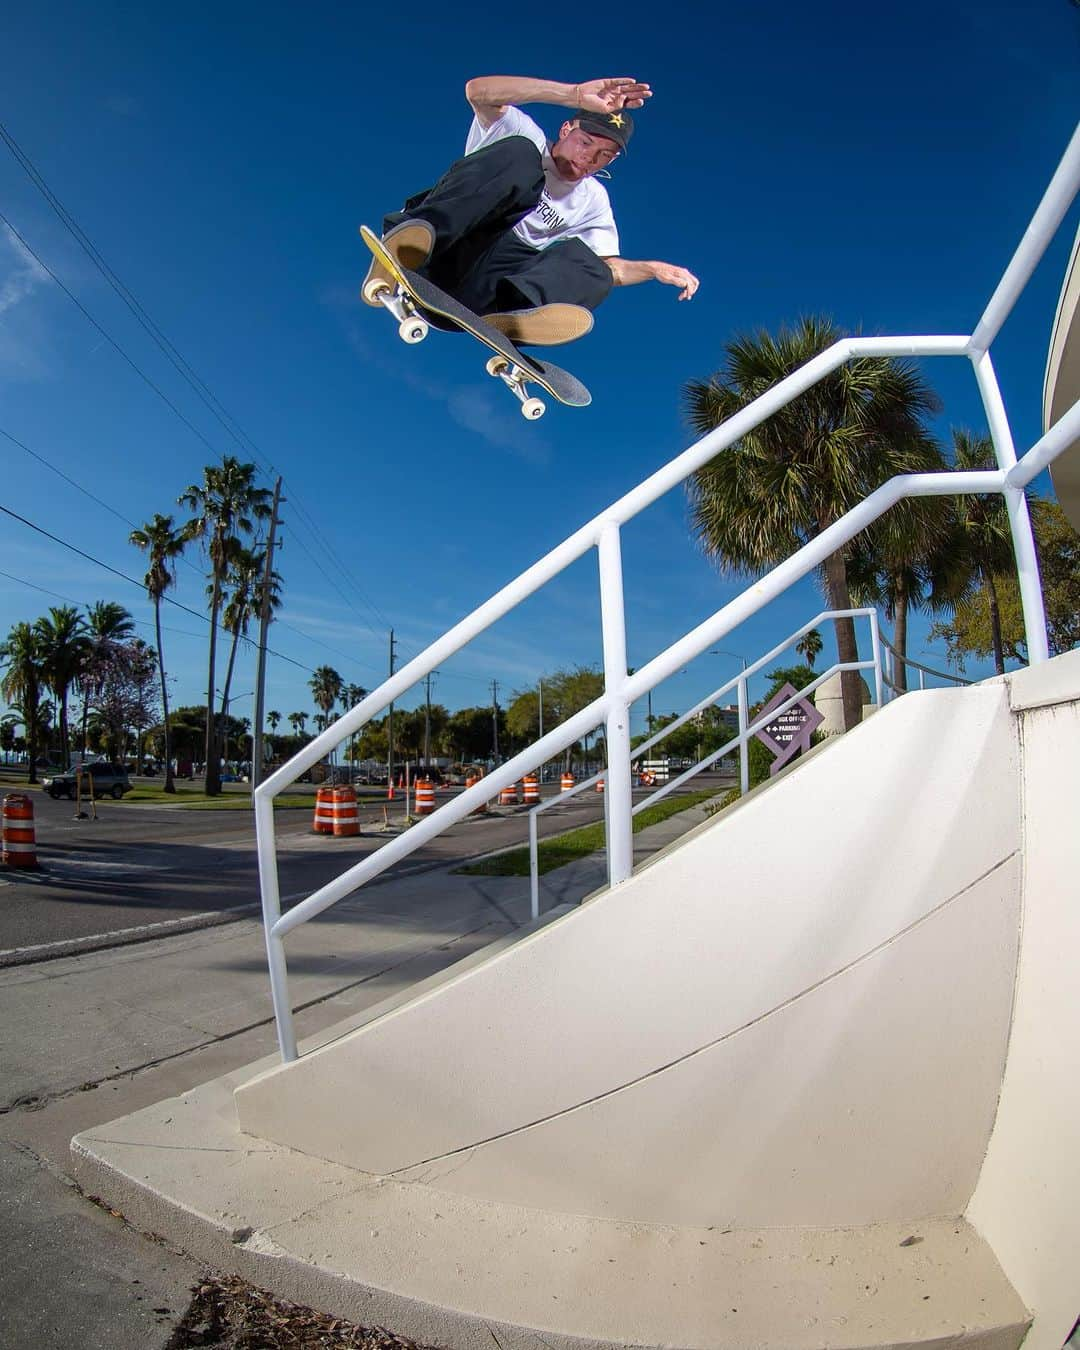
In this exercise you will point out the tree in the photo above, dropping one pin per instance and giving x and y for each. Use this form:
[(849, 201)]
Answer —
[(124, 699), (61, 636), (566, 692), (972, 629), (109, 623), (326, 686), (21, 658), (810, 645), (790, 478), (227, 504), (163, 544), (273, 717), (298, 721), (523, 716), (351, 695), (978, 549), (242, 593), (469, 731)]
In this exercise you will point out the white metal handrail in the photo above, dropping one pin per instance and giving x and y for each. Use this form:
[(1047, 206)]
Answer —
[(893, 657), (603, 533), (737, 681)]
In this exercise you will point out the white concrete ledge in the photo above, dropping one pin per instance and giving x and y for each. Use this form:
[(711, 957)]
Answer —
[(455, 1272)]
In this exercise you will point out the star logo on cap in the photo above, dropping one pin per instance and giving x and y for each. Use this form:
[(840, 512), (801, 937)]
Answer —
[(616, 119)]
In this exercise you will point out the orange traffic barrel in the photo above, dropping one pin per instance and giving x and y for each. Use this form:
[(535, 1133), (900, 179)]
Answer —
[(324, 816), (599, 785), (344, 812), (471, 781), (508, 795), (425, 796), (20, 846), (567, 782), (530, 789)]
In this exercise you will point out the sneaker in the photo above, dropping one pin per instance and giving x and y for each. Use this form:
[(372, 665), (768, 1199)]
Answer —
[(544, 326), (410, 242)]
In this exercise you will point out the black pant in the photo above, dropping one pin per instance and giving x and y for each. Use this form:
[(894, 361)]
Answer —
[(478, 258)]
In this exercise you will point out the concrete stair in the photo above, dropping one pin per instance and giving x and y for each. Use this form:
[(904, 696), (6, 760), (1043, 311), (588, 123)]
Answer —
[(807, 1079), (456, 1272)]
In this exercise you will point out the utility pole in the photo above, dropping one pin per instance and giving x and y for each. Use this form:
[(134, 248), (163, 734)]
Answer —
[(495, 718), (390, 723), (427, 719), (540, 721), (264, 624)]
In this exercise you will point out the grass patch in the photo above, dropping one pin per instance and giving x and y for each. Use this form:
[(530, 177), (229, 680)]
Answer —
[(579, 843)]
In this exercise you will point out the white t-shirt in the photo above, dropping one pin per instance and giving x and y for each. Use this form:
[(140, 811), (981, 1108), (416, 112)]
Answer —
[(566, 210)]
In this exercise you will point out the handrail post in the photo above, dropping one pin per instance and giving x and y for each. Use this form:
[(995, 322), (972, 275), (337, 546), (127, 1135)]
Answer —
[(875, 641), (1023, 538), (271, 905), (618, 803), (534, 866), (744, 740)]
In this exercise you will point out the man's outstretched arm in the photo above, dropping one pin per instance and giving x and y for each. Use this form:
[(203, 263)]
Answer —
[(627, 273), (490, 95)]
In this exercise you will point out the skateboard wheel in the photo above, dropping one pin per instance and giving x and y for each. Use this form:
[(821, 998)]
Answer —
[(413, 330), (496, 365), (374, 289), (532, 408)]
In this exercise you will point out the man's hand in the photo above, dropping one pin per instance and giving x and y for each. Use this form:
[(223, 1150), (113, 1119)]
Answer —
[(677, 276), (606, 96), (626, 272)]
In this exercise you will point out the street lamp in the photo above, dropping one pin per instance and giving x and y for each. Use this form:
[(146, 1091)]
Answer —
[(722, 651), (234, 698)]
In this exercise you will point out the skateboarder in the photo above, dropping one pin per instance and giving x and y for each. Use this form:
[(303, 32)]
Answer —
[(519, 230)]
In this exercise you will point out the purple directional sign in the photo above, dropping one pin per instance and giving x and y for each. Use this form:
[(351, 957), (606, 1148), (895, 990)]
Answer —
[(790, 731)]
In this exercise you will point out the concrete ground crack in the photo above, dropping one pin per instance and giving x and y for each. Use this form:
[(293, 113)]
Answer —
[(37, 1102)]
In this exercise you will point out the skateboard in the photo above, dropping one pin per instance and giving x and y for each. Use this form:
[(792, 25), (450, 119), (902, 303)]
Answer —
[(418, 305)]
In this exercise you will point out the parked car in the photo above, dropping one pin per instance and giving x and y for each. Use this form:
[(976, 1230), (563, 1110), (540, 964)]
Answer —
[(107, 780)]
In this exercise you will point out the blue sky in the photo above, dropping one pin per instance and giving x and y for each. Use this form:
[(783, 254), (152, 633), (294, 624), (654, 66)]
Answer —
[(877, 164)]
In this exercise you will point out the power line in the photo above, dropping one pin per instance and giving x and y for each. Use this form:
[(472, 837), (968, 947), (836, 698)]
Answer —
[(124, 577), (70, 600), (110, 340), (183, 558), (178, 361)]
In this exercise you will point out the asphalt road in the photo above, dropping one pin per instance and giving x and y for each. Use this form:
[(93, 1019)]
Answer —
[(139, 865)]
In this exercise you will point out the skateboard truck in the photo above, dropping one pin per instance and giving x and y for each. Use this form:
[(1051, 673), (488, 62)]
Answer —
[(516, 379), (411, 327)]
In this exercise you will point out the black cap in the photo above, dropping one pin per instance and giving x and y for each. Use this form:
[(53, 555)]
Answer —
[(616, 126)]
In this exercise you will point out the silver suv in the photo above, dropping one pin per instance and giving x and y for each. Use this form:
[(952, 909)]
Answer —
[(107, 780)]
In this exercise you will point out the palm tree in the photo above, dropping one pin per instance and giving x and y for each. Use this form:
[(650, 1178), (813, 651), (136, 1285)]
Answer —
[(351, 695), (898, 563), (227, 504), (804, 467), (162, 544), (326, 686), (108, 625), (810, 645), (273, 717), (247, 584), (980, 544), (22, 657), (62, 635), (298, 721)]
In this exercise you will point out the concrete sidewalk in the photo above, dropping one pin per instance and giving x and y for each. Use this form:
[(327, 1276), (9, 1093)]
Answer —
[(93, 1037)]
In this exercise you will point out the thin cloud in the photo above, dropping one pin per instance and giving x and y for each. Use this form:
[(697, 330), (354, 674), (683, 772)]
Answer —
[(487, 412), (18, 279)]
